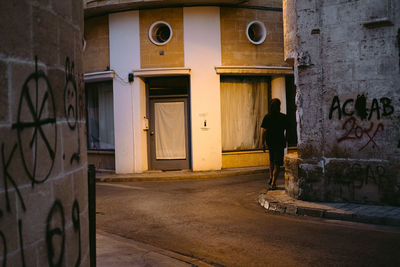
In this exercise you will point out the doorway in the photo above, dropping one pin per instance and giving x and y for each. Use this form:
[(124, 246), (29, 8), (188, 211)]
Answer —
[(168, 135)]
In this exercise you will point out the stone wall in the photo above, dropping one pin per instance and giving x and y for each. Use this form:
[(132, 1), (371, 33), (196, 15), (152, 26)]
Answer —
[(43, 188), (347, 69)]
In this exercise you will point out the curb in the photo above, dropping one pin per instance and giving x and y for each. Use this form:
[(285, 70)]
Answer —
[(173, 176), (295, 210)]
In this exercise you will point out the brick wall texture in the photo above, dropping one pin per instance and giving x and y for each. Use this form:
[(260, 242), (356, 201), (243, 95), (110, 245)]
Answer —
[(97, 52), (170, 54), (347, 69), (43, 173), (237, 50)]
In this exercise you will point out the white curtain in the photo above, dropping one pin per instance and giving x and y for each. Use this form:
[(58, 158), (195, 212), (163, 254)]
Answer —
[(170, 130), (100, 114), (106, 118), (244, 102)]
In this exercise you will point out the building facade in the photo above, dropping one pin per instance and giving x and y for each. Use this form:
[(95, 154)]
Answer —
[(182, 84), (347, 69)]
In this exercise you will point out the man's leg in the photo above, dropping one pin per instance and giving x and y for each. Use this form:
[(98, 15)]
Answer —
[(275, 175), (271, 172), (278, 162)]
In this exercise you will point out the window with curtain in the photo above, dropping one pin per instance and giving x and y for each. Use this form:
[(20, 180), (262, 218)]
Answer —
[(100, 115), (244, 102)]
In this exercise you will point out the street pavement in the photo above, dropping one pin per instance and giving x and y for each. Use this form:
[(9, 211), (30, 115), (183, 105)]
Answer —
[(218, 222), (276, 201)]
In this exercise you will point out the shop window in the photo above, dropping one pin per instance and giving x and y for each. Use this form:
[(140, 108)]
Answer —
[(244, 102), (160, 33), (100, 116), (256, 32)]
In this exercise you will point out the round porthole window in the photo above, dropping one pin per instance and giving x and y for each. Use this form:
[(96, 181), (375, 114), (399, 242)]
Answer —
[(256, 32), (160, 33)]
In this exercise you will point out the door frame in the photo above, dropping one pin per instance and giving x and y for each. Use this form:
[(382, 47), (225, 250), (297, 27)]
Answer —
[(170, 98)]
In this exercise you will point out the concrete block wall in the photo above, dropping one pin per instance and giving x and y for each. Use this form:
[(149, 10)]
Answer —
[(347, 73), (43, 176)]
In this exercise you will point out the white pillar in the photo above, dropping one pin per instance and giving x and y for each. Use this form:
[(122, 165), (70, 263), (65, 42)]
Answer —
[(202, 46), (124, 57), (278, 90)]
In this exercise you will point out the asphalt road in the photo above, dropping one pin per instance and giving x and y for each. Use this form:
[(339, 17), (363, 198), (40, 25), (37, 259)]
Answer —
[(220, 221)]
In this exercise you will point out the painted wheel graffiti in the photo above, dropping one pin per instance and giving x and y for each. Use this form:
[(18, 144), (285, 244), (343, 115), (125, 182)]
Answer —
[(36, 126)]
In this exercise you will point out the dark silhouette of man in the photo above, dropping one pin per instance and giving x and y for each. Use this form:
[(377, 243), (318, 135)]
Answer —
[(274, 127)]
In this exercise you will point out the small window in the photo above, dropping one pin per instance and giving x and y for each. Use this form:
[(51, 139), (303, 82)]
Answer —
[(256, 32), (100, 116), (160, 33)]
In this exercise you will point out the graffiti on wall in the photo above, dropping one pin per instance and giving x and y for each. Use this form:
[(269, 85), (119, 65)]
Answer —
[(362, 120), (71, 106), (29, 142), (350, 178), (36, 129)]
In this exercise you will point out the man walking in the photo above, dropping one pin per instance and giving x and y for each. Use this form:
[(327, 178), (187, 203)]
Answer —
[(274, 126)]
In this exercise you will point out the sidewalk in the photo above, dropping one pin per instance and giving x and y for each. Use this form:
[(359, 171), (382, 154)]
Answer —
[(116, 251), (278, 201), (175, 175)]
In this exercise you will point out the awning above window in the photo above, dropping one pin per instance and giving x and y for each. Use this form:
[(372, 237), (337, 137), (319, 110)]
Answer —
[(156, 72), (98, 76), (253, 70)]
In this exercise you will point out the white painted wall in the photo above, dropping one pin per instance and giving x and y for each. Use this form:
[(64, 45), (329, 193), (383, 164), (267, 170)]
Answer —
[(202, 46), (124, 57), (140, 136), (278, 90)]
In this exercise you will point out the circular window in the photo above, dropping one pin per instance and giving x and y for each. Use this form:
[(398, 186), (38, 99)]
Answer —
[(256, 32), (160, 33)]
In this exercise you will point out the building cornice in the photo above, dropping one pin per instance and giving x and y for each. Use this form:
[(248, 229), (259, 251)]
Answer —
[(94, 8)]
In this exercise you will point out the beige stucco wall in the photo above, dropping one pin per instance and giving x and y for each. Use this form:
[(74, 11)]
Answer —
[(161, 56), (96, 56), (43, 162), (238, 50)]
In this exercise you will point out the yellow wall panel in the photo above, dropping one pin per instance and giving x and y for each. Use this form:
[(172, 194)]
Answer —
[(244, 159), (238, 50), (162, 56), (96, 56)]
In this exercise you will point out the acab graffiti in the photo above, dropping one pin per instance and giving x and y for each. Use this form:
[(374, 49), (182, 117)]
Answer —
[(362, 120), (36, 129), (347, 180)]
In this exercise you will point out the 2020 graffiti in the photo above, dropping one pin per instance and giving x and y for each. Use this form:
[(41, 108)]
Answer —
[(355, 131), (40, 134)]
